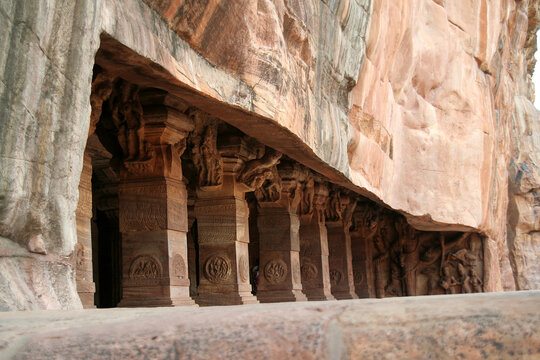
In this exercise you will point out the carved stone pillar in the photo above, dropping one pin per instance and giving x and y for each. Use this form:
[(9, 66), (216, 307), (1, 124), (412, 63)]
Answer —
[(153, 204), (192, 250), (222, 220), (365, 228), (83, 250), (315, 271), (338, 222), (279, 241)]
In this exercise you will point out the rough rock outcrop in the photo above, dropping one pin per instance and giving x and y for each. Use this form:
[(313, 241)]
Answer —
[(424, 115)]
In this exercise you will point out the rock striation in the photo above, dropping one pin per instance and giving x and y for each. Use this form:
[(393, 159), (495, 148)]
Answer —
[(431, 116)]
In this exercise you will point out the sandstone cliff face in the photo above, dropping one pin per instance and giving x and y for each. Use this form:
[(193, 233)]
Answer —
[(420, 105), (524, 174)]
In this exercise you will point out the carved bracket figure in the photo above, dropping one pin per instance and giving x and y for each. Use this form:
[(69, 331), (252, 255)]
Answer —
[(207, 158), (257, 171)]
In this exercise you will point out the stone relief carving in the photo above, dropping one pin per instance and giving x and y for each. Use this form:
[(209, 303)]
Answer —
[(217, 268), (257, 171), (206, 156), (243, 269), (145, 267), (308, 194), (179, 267), (270, 190), (275, 271), (308, 271), (335, 207), (409, 262), (297, 278), (335, 277), (102, 86), (127, 114)]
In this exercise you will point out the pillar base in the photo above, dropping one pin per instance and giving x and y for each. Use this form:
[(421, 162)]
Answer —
[(318, 295), (87, 300), (225, 299), (345, 295), (155, 302), (280, 296)]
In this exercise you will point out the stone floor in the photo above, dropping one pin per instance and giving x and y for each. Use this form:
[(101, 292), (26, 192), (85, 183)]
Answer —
[(475, 326)]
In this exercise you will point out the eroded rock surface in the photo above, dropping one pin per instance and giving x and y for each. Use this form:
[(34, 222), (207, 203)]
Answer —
[(424, 115)]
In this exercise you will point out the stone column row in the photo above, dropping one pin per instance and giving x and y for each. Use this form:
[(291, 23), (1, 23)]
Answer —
[(305, 245)]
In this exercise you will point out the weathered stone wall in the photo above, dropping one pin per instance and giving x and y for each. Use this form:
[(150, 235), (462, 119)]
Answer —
[(424, 125)]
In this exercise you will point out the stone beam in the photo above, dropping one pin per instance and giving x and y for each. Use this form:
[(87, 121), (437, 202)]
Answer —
[(473, 326)]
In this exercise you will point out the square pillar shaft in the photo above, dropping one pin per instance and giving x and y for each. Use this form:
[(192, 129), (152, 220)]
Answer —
[(153, 223), (279, 249), (223, 230), (84, 274), (314, 265), (362, 260), (340, 259)]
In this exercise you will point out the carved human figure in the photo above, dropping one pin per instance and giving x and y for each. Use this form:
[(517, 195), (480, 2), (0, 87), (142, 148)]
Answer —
[(270, 190), (475, 281), (127, 114), (306, 206), (464, 279), (406, 251), (208, 160), (432, 282), (379, 261), (448, 282)]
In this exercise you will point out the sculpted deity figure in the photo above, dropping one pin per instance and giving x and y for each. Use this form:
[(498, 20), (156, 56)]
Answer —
[(464, 279), (127, 115), (476, 283), (306, 205), (206, 157), (270, 190), (448, 281)]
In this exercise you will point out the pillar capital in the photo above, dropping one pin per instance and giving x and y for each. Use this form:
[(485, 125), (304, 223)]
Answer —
[(284, 189), (151, 132)]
